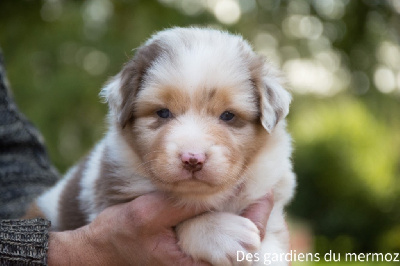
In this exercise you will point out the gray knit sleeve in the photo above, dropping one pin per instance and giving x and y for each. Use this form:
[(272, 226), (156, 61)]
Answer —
[(24, 242), (25, 172), (25, 169)]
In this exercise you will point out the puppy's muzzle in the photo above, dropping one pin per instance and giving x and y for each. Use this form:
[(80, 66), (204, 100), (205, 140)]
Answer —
[(193, 162)]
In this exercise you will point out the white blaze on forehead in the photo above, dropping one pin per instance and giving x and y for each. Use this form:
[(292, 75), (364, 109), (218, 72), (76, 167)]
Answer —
[(200, 59), (207, 67), (190, 134)]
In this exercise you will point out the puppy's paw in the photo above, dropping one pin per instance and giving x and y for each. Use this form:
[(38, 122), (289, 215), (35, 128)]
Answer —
[(218, 238)]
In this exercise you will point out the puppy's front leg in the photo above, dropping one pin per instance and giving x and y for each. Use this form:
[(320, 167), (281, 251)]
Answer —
[(217, 237)]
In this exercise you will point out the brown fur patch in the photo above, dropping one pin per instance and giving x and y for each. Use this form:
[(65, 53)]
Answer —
[(33, 212), (254, 143), (236, 122), (176, 100), (70, 214), (108, 184), (158, 123), (132, 77), (216, 101)]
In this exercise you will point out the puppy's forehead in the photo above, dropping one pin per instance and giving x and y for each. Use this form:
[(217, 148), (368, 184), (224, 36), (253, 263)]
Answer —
[(206, 58), (198, 65)]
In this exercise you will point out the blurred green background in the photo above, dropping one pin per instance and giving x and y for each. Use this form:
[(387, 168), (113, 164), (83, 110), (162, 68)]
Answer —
[(341, 58)]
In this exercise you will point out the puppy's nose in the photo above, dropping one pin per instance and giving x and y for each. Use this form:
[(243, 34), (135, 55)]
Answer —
[(193, 161)]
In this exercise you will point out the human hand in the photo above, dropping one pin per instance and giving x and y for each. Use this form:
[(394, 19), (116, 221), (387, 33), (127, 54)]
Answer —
[(259, 212), (139, 232)]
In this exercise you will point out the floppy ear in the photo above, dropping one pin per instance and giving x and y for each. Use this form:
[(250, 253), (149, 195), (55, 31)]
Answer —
[(121, 91), (110, 94), (274, 100)]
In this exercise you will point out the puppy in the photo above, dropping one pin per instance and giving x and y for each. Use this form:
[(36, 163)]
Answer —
[(200, 116)]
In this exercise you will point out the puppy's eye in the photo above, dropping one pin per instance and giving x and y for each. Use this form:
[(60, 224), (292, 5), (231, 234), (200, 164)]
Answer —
[(164, 113), (226, 116)]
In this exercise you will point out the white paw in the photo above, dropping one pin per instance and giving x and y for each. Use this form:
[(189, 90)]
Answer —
[(217, 238)]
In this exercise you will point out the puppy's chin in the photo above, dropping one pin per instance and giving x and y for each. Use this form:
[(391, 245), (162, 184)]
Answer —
[(198, 184)]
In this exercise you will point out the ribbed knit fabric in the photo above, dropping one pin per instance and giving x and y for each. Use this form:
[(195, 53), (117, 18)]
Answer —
[(25, 172), (24, 242)]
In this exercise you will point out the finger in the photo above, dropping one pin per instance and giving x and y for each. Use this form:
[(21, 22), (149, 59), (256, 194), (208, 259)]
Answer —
[(259, 212), (157, 209)]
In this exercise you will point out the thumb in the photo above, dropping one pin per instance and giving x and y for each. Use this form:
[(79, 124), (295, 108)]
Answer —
[(259, 212)]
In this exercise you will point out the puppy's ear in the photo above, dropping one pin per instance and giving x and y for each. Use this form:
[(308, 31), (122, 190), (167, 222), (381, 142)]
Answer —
[(121, 91), (274, 99), (110, 94)]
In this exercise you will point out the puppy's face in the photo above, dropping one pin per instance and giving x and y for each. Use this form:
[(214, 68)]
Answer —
[(197, 139), (195, 105)]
